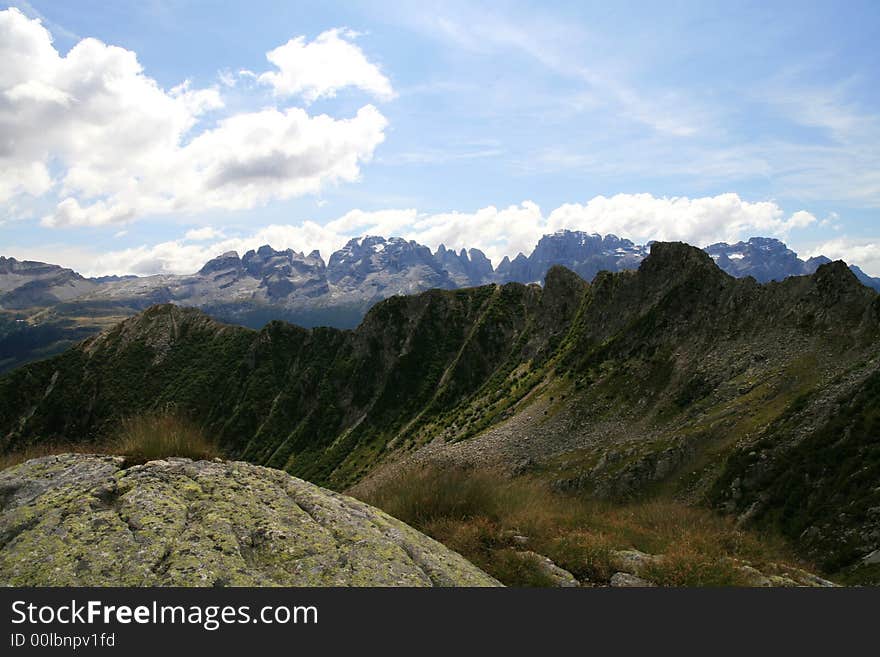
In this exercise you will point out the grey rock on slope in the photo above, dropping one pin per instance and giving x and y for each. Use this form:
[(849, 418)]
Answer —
[(74, 520)]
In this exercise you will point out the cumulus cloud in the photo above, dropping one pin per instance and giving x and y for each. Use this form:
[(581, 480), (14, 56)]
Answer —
[(379, 222), (496, 231), (121, 146), (318, 69), (700, 221)]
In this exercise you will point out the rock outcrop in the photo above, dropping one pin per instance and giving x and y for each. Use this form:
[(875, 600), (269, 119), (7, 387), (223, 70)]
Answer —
[(75, 519)]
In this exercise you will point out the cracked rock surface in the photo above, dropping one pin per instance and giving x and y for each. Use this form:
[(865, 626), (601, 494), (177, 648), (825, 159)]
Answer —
[(86, 520)]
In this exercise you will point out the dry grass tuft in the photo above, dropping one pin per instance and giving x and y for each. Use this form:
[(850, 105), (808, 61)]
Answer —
[(484, 515), (139, 439), (159, 435)]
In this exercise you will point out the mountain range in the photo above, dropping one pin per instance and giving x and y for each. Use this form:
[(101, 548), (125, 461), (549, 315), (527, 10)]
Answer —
[(45, 308), (674, 379)]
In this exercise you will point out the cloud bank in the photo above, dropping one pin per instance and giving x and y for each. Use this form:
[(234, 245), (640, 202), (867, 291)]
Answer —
[(496, 231), (113, 145)]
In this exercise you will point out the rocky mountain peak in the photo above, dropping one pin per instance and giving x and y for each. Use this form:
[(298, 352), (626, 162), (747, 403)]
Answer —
[(517, 270), (224, 262), (763, 258), (380, 260), (13, 266), (585, 253), (836, 275), (31, 268), (677, 259), (26, 284), (561, 281), (468, 267), (266, 284)]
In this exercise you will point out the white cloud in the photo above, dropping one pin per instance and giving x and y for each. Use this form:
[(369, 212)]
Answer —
[(122, 147), (202, 234), (380, 222), (496, 231), (173, 257), (318, 69), (227, 78), (699, 221)]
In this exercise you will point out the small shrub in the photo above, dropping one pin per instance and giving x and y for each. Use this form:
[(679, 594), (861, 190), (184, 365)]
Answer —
[(424, 495), (685, 566), (159, 435), (478, 537), (587, 556), (517, 569)]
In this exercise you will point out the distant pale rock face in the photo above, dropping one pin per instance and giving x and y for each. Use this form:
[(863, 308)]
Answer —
[(586, 254), (373, 267), (764, 258), (83, 520), (25, 284)]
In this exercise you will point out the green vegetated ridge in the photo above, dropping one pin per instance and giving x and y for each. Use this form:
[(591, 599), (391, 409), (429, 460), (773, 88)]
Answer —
[(673, 380)]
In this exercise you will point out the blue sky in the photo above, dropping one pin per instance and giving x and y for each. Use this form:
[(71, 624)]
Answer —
[(474, 125)]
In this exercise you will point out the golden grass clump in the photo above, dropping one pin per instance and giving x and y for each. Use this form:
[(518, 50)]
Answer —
[(493, 520), (161, 434), (141, 438)]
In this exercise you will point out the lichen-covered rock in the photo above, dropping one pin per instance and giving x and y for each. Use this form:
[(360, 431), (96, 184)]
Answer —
[(632, 561), (559, 576), (78, 519), (628, 580)]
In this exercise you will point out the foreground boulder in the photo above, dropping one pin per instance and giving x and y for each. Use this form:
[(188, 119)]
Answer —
[(84, 520)]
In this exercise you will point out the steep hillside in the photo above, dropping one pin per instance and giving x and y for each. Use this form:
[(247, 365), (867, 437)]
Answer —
[(647, 382)]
